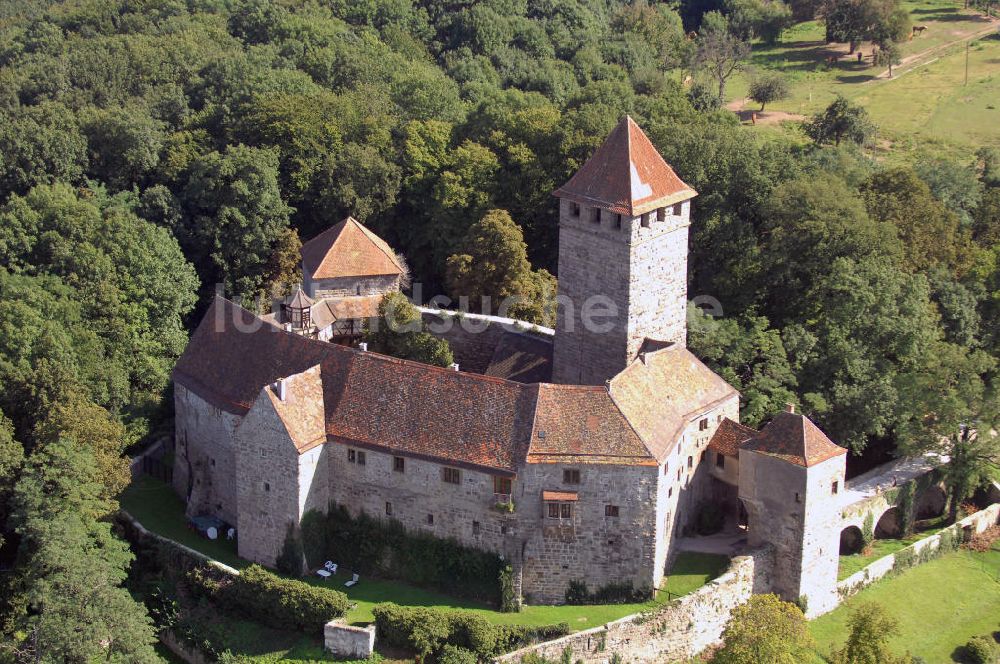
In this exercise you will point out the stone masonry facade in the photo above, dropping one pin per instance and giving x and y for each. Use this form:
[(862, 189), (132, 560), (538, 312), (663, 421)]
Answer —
[(592, 475), (630, 275)]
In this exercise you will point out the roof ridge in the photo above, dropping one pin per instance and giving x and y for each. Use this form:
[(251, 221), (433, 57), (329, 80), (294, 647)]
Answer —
[(378, 242)]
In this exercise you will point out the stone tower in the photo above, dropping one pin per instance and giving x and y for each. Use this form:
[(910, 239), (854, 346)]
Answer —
[(623, 238), (791, 480)]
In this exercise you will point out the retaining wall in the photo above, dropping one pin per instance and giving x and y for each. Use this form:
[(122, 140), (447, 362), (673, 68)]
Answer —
[(963, 529), (674, 632)]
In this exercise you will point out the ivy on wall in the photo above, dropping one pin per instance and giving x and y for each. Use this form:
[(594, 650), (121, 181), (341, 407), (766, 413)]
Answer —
[(385, 548)]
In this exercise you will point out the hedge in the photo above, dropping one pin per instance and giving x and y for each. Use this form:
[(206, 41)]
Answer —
[(384, 548), (269, 599), (424, 631)]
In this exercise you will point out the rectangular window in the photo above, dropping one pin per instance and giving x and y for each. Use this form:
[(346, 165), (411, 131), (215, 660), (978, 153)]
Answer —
[(398, 464), (476, 529), (661, 214), (571, 476), (595, 215), (690, 462), (836, 487), (263, 453), (677, 209), (666, 468), (501, 485), (678, 473), (574, 209), (553, 509), (720, 460), (702, 459), (267, 486), (798, 498), (452, 476), (388, 509), (361, 458), (644, 220), (618, 221), (430, 519), (565, 510), (703, 424), (611, 510), (670, 492), (352, 456)]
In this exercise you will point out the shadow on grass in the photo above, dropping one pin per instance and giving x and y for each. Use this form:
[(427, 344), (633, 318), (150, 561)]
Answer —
[(856, 78)]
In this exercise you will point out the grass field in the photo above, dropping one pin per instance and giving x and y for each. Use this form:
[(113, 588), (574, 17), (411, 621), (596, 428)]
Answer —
[(925, 107), (940, 605), (158, 508)]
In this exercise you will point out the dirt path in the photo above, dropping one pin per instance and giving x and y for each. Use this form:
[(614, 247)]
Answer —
[(762, 118), (911, 62)]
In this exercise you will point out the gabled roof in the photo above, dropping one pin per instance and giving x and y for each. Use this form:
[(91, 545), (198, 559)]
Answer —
[(459, 418), (662, 391), (301, 411), (729, 437), (626, 175), (354, 307), (348, 250), (794, 438)]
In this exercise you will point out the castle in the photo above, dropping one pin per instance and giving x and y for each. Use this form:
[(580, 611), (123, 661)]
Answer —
[(601, 441)]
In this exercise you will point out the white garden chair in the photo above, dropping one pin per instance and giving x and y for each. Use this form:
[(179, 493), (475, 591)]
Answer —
[(353, 581)]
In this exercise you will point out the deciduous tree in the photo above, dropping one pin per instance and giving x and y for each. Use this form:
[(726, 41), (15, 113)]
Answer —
[(764, 630), (720, 53), (840, 121)]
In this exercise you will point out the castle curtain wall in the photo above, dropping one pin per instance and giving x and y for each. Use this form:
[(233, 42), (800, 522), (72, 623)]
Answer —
[(205, 458)]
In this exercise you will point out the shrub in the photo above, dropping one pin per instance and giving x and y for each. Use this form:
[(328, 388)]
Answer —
[(983, 542), (612, 593), (426, 630), (981, 650), (764, 629), (271, 600), (509, 601), (710, 519), (456, 655)]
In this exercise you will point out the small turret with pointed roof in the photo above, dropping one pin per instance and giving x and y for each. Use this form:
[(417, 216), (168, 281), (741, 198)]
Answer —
[(623, 220)]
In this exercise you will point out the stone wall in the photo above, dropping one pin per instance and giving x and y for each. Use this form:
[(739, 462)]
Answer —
[(347, 641), (639, 272), (204, 460), (474, 337), (964, 528), (267, 473), (320, 289), (675, 632)]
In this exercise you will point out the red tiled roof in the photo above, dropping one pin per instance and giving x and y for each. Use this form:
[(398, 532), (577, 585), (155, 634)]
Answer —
[(795, 439), (561, 496), (354, 307), (583, 422), (626, 175), (348, 250), (662, 391), (301, 411), (456, 417), (728, 438)]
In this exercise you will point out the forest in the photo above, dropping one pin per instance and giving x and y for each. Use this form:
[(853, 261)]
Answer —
[(153, 151)]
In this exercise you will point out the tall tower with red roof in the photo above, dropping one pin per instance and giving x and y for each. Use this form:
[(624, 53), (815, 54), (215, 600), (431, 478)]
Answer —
[(623, 241)]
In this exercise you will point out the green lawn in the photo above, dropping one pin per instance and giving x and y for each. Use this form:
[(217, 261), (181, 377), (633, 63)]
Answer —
[(157, 507), (923, 109), (940, 605), (883, 547)]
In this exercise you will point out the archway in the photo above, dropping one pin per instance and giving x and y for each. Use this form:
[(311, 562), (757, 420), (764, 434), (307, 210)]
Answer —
[(931, 503), (851, 541), (889, 525)]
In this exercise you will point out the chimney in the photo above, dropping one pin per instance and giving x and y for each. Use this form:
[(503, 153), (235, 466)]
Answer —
[(453, 366), (280, 388), (789, 408), (363, 346)]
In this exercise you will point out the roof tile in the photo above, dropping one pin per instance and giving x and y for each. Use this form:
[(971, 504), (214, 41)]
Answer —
[(794, 438), (626, 175), (348, 250)]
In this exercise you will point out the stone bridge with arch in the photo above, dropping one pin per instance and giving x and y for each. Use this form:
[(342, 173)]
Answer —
[(882, 494)]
